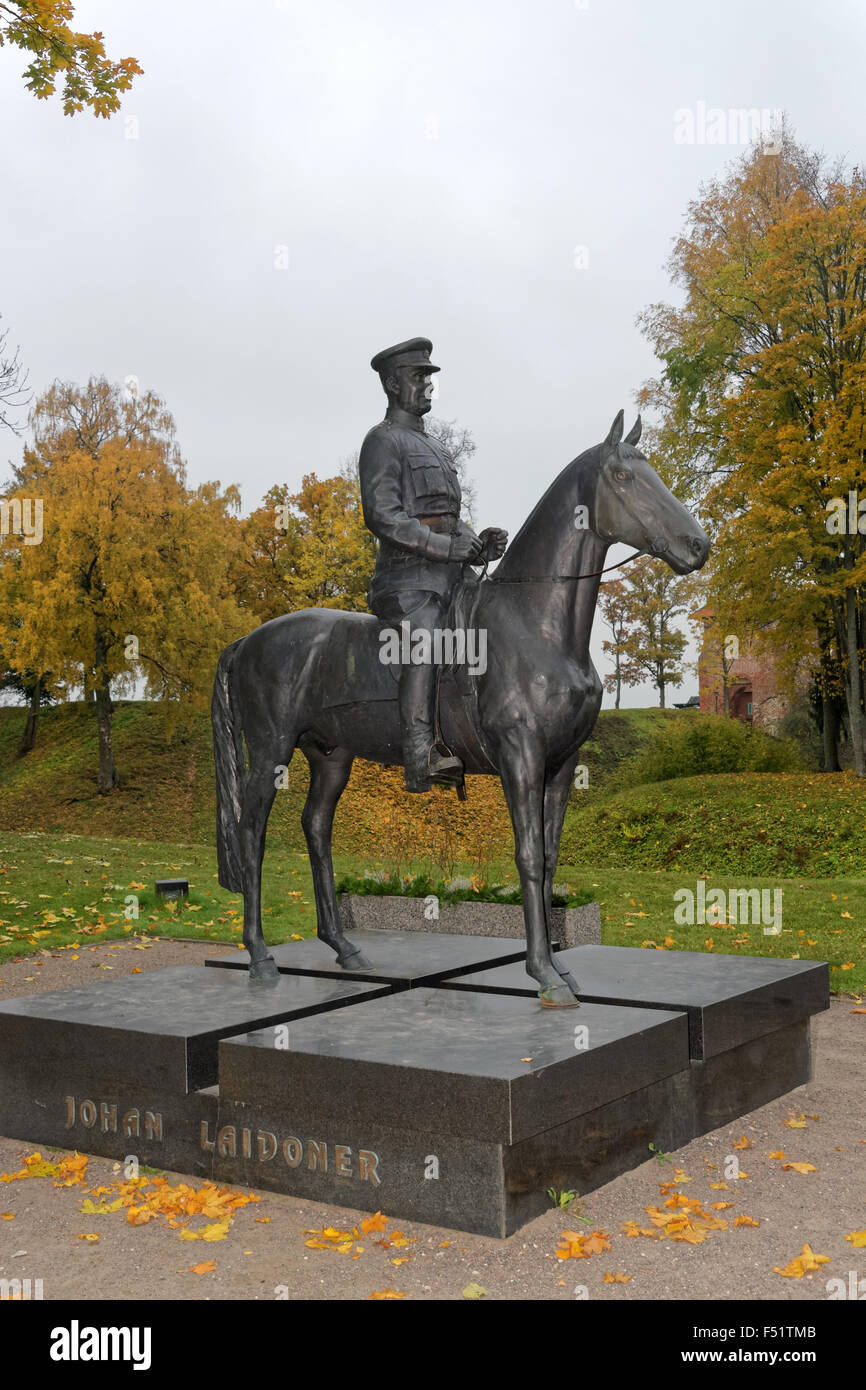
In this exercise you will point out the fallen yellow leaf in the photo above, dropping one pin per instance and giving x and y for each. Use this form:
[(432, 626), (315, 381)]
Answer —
[(377, 1222), (804, 1263)]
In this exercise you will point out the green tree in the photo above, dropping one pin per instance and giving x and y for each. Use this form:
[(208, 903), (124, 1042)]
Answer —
[(615, 612), (655, 596)]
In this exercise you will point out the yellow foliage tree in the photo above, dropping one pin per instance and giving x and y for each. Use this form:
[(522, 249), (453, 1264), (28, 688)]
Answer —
[(90, 78), (761, 400), (130, 578), (308, 549)]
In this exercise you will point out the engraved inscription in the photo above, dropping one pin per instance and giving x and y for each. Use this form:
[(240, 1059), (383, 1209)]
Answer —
[(103, 1115), (316, 1155)]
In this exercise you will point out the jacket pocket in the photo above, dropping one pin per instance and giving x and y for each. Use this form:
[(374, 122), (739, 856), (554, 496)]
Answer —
[(427, 477)]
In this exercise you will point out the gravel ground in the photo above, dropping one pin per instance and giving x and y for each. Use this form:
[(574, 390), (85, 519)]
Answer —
[(269, 1260)]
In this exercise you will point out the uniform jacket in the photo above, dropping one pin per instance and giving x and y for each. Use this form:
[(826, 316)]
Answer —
[(405, 474)]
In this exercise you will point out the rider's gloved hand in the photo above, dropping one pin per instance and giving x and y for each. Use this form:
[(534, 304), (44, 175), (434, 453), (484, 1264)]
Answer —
[(465, 547), (494, 541)]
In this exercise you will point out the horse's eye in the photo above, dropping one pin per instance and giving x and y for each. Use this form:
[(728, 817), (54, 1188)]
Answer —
[(622, 475)]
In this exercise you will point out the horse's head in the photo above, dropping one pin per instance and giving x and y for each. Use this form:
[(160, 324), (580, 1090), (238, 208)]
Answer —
[(633, 505)]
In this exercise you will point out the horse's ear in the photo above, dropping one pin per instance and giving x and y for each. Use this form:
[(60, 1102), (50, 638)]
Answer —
[(615, 432), (634, 433)]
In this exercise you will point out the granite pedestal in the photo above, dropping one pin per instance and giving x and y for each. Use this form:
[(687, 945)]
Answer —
[(748, 1016), (729, 999), (129, 1066), (429, 1104), (405, 960), (436, 1090)]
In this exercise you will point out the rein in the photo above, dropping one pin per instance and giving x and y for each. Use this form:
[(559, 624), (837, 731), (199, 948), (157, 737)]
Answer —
[(558, 578)]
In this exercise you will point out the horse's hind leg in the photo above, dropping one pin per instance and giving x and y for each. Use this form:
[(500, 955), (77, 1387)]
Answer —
[(258, 797), (329, 773)]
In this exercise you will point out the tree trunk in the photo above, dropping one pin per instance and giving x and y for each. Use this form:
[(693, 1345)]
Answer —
[(28, 739), (618, 681), (854, 687), (829, 734), (108, 778)]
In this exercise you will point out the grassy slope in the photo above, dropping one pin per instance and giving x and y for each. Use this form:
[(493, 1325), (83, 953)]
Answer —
[(751, 823)]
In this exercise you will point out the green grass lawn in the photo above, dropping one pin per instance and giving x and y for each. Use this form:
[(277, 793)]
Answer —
[(65, 892)]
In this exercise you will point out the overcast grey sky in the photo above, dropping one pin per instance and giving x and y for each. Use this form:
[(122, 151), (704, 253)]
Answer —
[(422, 170)]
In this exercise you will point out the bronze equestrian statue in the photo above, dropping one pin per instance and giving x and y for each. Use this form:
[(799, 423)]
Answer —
[(314, 680)]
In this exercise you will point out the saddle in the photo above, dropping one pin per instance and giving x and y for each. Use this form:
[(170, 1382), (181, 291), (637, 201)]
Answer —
[(352, 673)]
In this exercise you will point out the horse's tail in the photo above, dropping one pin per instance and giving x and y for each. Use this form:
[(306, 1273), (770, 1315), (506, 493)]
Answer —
[(230, 764)]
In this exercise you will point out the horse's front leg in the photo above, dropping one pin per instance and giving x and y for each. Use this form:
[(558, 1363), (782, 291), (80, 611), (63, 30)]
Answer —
[(557, 789), (521, 764)]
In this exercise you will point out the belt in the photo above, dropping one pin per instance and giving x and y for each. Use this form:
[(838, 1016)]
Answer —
[(446, 523)]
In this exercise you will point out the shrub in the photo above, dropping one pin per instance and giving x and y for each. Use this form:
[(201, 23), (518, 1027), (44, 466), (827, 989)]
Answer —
[(456, 890), (710, 743)]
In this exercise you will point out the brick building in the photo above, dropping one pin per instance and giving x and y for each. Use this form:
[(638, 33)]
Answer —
[(754, 691)]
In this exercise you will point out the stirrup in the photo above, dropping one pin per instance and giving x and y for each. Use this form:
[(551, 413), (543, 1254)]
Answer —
[(446, 770)]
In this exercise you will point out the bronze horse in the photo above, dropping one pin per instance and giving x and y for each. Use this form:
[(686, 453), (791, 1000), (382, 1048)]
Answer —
[(314, 680)]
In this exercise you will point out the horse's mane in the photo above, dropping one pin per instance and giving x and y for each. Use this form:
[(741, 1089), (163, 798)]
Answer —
[(566, 481)]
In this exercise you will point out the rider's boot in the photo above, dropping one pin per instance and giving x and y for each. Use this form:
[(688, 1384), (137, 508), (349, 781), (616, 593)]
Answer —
[(423, 761)]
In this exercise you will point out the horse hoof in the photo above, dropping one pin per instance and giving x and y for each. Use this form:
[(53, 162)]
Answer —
[(569, 980), (354, 960), (265, 969), (558, 997)]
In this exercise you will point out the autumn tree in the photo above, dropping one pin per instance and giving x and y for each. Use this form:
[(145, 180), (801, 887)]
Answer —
[(32, 686), (42, 28), (307, 549), (654, 597), (615, 612), (762, 401), (129, 581), (14, 391)]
